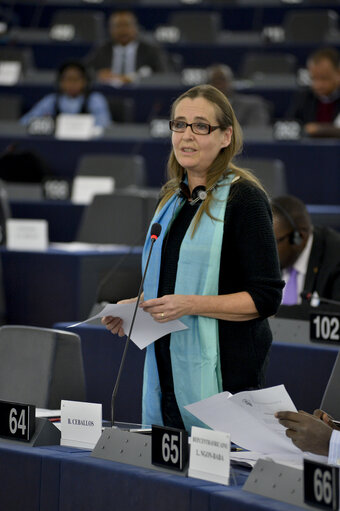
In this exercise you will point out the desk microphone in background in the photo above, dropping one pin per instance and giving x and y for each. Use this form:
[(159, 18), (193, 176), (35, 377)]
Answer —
[(315, 300), (155, 232)]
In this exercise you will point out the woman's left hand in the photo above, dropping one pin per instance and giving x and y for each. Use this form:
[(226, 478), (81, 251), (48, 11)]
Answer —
[(168, 307)]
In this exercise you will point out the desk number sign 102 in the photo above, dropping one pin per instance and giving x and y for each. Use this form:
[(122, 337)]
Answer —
[(17, 421), (325, 327)]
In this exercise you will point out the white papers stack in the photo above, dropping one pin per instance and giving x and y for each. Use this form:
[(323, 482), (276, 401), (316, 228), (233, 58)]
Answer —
[(249, 418), (145, 330)]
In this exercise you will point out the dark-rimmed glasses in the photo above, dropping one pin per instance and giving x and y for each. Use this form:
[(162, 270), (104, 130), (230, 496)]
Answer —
[(199, 128)]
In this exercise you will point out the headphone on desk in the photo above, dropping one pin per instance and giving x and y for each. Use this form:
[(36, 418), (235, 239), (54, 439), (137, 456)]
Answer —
[(295, 237)]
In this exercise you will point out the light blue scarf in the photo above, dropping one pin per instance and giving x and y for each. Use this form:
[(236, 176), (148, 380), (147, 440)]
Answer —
[(194, 352)]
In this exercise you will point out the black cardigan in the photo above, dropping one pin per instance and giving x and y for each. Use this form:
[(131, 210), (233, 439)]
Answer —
[(249, 262)]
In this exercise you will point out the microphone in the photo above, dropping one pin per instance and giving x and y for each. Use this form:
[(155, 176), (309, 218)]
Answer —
[(315, 299), (155, 232)]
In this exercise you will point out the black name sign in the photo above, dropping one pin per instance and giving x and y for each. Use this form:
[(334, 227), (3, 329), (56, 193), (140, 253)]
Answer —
[(17, 421), (321, 485), (325, 327), (169, 447)]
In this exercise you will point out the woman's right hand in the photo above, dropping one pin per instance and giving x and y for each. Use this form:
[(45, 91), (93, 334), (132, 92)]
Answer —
[(115, 324)]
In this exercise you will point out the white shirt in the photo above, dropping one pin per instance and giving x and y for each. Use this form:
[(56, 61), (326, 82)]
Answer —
[(300, 265), (334, 448), (124, 58)]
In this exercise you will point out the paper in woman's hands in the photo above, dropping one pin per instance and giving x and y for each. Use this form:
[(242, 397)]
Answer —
[(145, 330)]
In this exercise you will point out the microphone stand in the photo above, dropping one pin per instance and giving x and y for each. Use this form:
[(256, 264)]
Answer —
[(115, 390)]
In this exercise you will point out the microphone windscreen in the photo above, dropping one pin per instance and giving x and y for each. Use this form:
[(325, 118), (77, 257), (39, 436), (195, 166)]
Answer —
[(156, 230)]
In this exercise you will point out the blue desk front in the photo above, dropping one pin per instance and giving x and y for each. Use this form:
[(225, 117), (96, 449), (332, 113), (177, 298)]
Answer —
[(42, 288), (63, 479), (305, 161), (303, 369)]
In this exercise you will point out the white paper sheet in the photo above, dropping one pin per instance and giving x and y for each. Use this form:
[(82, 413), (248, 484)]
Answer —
[(249, 418), (145, 330), (249, 458)]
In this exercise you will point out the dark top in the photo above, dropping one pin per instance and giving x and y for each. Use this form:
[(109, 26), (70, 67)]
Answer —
[(305, 107), (249, 262), (148, 54)]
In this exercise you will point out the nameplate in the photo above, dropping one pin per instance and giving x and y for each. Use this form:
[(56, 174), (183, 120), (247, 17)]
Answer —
[(194, 76), (209, 455), (287, 130), (25, 234), (159, 128), (321, 485), (17, 421), (62, 32), (324, 327), (86, 187), (169, 448), (81, 424), (167, 34), (42, 126), (74, 126), (9, 72)]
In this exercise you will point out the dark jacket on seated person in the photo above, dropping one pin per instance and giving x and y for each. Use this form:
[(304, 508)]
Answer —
[(307, 107)]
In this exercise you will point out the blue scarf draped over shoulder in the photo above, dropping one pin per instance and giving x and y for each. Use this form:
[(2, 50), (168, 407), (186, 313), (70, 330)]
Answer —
[(194, 352)]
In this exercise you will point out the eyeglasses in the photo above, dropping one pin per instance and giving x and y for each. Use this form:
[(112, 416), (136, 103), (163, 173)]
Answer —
[(199, 128)]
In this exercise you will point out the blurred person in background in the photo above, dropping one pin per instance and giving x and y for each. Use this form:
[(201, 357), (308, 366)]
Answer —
[(309, 255), (250, 110), (126, 55), (317, 107), (74, 96)]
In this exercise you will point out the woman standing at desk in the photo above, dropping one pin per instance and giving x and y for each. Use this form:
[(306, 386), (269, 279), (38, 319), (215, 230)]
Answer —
[(215, 266)]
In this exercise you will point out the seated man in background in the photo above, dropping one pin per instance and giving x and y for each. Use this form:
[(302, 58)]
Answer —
[(318, 107), (72, 97), (309, 256), (250, 110), (315, 433), (125, 54)]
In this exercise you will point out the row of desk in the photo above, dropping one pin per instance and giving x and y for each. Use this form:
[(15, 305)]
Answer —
[(236, 15), (311, 166), (64, 479), (291, 364), (152, 96)]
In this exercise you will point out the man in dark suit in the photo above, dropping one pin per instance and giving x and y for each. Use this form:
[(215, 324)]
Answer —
[(125, 55), (318, 107), (250, 109), (309, 255)]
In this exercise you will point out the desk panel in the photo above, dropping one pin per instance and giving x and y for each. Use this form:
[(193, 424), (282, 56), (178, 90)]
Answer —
[(88, 484), (42, 288)]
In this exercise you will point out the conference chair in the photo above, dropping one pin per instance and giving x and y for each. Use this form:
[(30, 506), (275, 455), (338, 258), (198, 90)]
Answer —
[(271, 173), (314, 26), (89, 26), (196, 26), (256, 65), (122, 217), (10, 107), (126, 170), (40, 366), (330, 401), (122, 109)]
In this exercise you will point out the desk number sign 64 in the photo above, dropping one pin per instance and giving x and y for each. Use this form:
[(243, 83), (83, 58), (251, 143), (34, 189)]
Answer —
[(17, 421)]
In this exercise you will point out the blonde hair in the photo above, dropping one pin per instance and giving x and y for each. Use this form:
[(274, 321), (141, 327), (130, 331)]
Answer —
[(223, 165)]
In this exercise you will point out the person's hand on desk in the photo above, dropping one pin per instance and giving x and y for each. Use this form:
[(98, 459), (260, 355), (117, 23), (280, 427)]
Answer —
[(306, 431), (114, 324)]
